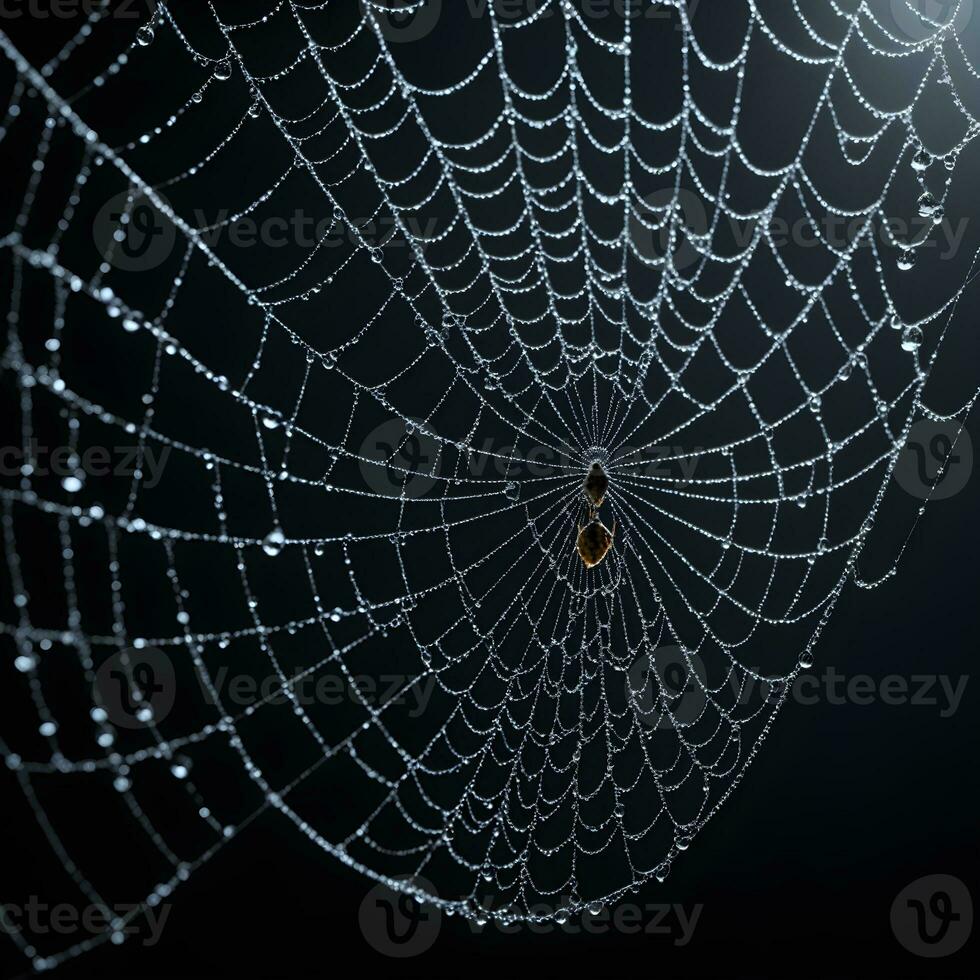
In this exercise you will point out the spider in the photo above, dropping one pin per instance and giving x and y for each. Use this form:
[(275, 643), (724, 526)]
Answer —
[(596, 485), (594, 541)]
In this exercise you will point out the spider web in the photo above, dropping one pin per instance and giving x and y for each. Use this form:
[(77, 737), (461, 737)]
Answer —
[(530, 242)]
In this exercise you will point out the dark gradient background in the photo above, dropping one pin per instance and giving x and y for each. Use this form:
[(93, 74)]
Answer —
[(845, 805)]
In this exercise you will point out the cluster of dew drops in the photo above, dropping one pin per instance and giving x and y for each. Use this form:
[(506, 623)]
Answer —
[(222, 69), (928, 205), (929, 208)]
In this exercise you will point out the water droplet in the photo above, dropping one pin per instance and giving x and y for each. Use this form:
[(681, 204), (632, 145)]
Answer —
[(222, 70), (145, 35), (911, 339), (921, 160), (72, 484), (896, 322), (512, 491), (927, 205), (273, 542), (906, 260)]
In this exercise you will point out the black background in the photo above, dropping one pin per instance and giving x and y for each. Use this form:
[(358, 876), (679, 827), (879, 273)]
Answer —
[(846, 805)]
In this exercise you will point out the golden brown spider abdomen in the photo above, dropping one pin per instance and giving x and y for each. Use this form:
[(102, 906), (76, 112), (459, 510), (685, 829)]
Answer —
[(594, 542), (596, 485)]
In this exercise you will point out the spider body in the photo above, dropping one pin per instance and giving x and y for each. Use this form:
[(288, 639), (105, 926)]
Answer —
[(596, 484), (594, 542)]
